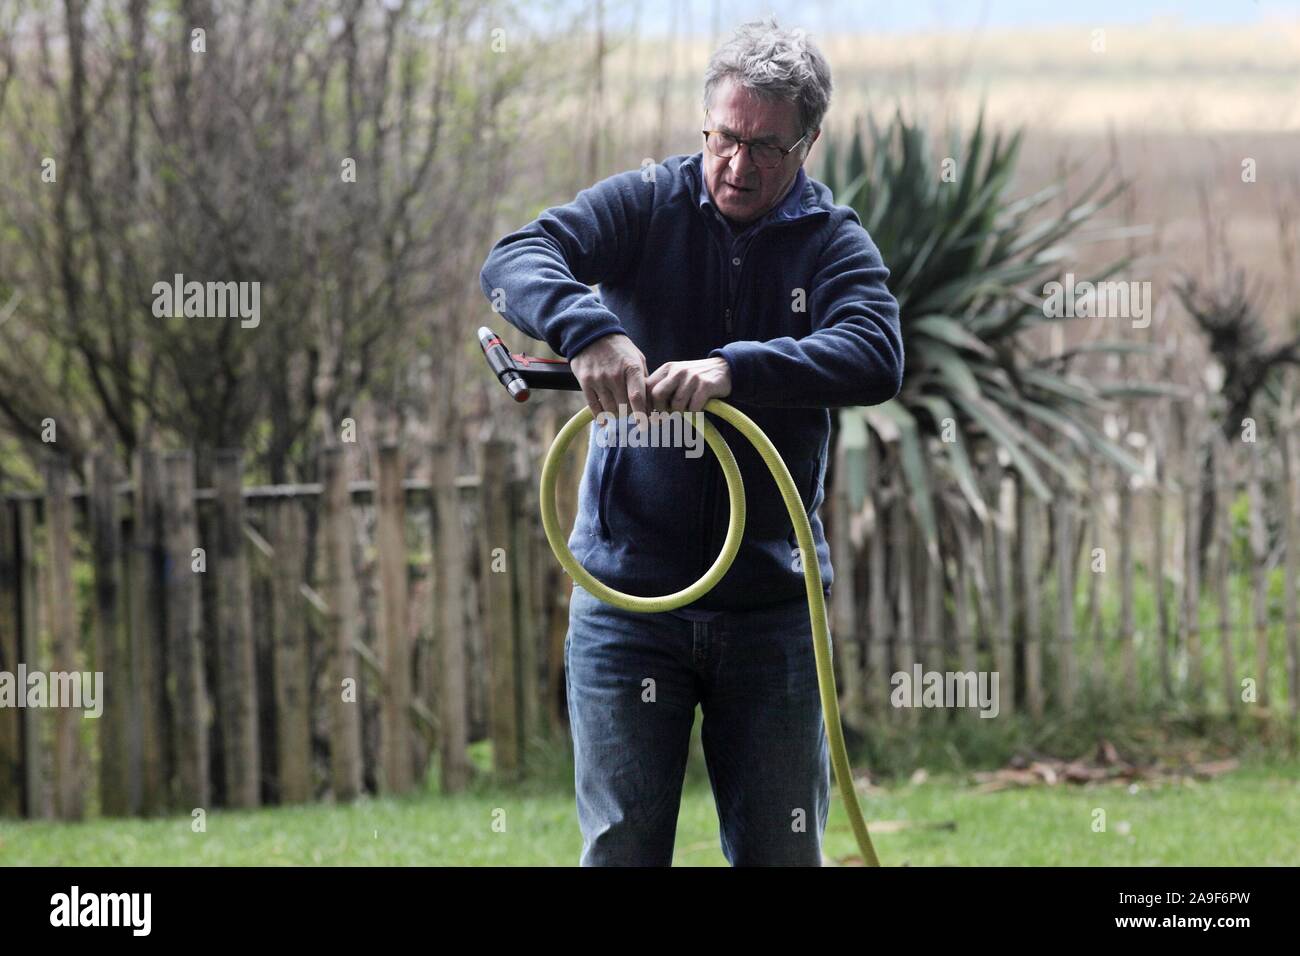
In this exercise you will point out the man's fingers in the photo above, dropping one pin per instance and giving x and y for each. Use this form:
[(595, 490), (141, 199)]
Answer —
[(685, 386), (618, 391), (608, 401), (636, 388), (660, 386), (661, 396), (593, 400), (681, 393), (698, 397)]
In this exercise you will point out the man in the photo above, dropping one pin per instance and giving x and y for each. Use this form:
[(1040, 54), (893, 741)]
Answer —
[(730, 274)]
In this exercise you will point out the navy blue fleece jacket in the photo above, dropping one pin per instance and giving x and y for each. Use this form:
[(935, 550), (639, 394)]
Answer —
[(800, 311)]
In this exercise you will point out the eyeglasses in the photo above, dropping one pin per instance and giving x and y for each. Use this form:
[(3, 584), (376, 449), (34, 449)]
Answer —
[(765, 156)]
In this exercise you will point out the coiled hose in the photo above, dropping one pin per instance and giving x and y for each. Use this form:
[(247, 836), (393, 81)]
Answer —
[(735, 530)]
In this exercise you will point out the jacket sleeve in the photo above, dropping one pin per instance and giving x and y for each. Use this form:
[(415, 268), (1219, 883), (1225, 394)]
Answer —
[(853, 356), (539, 277)]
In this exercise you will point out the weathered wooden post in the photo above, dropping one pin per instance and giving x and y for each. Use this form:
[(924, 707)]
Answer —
[(929, 572), (876, 680), (344, 683), (844, 610), (289, 631), (498, 611), (1003, 528), (523, 501), (237, 668), (111, 653), (148, 637), (186, 690), (1156, 428), (1064, 535), (1096, 511), (1290, 504), (11, 742), (1259, 571), (966, 555), (904, 544), (545, 595), (395, 644), (1225, 482), (1128, 650), (1191, 557), (1030, 618), (449, 571), (69, 757), (37, 796)]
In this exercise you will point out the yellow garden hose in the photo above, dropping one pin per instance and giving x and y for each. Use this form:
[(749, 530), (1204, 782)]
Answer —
[(735, 529)]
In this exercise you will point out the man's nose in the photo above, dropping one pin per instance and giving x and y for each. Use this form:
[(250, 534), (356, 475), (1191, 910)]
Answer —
[(741, 164)]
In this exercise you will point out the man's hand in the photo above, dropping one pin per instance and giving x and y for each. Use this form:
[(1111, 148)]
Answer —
[(688, 386), (612, 372)]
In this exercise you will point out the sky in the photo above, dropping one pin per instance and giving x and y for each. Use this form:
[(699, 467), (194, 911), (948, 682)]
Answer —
[(906, 16)]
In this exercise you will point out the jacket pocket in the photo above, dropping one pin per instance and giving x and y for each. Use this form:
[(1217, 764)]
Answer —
[(603, 490)]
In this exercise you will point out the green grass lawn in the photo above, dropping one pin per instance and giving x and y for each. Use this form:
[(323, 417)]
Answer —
[(1250, 816)]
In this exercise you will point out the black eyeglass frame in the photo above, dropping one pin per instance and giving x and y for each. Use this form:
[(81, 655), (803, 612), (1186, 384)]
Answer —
[(752, 146)]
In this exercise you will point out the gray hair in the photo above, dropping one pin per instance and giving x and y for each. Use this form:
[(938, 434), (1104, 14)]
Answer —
[(776, 64)]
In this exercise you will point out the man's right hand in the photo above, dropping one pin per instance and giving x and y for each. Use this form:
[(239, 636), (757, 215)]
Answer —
[(612, 372)]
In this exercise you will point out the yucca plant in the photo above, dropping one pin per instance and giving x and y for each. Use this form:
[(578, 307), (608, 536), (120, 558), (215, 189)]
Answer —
[(967, 265)]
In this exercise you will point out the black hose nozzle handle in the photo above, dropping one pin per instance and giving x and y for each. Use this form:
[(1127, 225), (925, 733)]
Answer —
[(520, 373)]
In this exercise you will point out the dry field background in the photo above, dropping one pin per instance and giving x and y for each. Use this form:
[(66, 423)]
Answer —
[(1177, 107)]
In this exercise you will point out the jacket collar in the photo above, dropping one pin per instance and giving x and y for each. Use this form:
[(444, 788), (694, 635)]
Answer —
[(800, 201)]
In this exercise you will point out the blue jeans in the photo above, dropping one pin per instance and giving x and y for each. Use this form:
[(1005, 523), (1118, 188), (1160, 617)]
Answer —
[(633, 682)]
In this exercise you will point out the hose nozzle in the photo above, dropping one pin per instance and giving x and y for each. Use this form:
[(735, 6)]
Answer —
[(520, 373)]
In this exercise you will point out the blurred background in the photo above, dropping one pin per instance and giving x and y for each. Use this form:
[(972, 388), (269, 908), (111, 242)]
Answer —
[(304, 551)]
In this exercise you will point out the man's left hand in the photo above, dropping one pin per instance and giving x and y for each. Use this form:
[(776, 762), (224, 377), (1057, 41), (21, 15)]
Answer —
[(688, 386)]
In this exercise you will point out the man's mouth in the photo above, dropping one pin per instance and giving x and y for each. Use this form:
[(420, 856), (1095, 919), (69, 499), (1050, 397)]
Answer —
[(739, 189)]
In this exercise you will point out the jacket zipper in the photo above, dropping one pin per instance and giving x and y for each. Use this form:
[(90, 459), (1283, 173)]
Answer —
[(713, 471)]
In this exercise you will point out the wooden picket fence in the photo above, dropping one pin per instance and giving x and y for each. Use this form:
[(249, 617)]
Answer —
[(989, 598), (226, 669), (331, 639)]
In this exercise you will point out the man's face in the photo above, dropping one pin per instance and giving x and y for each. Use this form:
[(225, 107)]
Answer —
[(741, 190)]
